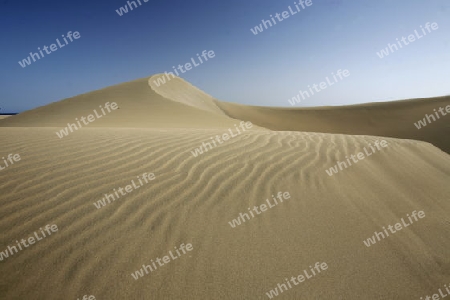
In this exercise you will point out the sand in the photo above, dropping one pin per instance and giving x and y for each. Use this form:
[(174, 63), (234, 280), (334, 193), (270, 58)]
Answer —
[(192, 199), (391, 119)]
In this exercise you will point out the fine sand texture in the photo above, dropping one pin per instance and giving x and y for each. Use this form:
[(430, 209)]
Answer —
[(193, 199), (4, 116)]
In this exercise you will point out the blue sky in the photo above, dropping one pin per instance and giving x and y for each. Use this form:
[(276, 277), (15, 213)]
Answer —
[(265, 69)]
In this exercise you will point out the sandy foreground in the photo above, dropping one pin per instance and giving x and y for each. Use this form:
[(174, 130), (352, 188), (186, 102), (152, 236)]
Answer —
[(193, 199)]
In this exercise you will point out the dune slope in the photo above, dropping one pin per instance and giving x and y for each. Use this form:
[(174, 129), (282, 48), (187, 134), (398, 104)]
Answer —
[(391, 119), (139, 107), (192, 199)]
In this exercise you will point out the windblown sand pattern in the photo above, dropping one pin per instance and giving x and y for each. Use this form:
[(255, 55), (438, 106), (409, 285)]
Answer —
[(193, 198)]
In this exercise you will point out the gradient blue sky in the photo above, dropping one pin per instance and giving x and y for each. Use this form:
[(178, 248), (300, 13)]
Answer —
[(265, 69)]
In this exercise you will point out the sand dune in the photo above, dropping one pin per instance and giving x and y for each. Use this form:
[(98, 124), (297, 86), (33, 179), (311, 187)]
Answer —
[(193, 199), (178, 104), (391, 119), (140, 107)]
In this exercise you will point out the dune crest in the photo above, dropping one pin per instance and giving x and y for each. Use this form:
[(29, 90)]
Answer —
[(177, 89)]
